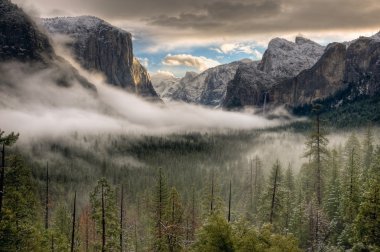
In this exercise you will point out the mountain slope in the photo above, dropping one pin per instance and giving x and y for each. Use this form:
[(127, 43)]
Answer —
[(22, 42), (344, 73), (19, 37), (207, 88), (284, 59), (281, 61), (322, 80), (99, 46)]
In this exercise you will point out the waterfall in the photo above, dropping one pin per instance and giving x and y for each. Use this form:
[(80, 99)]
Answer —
[(265, 102)]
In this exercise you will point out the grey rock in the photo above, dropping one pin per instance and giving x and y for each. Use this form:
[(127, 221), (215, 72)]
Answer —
[(207, 88), (283, 60), (21, 41), (99, 46)]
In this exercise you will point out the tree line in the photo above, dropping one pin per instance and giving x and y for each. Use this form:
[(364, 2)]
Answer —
[(331, 204)]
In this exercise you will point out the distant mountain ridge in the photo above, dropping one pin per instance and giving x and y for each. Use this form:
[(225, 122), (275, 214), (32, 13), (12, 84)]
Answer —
[(242, 83), (206, 88)]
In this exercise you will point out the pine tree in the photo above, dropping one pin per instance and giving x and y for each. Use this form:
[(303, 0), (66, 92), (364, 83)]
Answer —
[(367, 222), (105, 215), (61, 228), (333, 196), (122, 219), (47, 198), (160, 205), (73, 223), (5, 140), (229, 204), (289, 199), (20, 226), (215, 235), (316, 150), (173, 227), (351, 189), (273, 198), (367, 152), (256, 183)]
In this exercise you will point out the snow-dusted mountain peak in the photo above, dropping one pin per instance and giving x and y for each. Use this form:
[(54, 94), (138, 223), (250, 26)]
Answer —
[(284, 59), (76, 25)]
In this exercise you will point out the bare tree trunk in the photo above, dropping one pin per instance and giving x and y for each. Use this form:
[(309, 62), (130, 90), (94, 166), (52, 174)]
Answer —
[(73, 227), (2, 177), (136, 239), (319, 182), (160, 209), (193, 216), (103, 223), (87, 232), (273, 195), (187, 229), (47, 197), (229, 205), (251, 188), (212, 191), (52, 243), (121, 218)]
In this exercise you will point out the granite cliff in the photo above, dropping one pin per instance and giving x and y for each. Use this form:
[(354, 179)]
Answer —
[(99, 46), (281, 61), (21, 42)]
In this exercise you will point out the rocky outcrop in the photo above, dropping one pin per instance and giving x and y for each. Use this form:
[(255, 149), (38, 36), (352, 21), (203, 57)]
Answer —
[(284, 59), (19, 37), (99, 46), (21, 41), (165, 83), (363, 65), (281, 61), (320, 81), (207, 88), (345, 72), (248, 87)]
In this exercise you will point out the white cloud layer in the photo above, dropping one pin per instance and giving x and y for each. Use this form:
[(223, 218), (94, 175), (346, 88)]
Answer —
[(231, 48), (32, 104), (198, 62)]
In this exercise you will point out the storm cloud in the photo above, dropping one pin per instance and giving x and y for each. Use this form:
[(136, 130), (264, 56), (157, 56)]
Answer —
[(223, 17)]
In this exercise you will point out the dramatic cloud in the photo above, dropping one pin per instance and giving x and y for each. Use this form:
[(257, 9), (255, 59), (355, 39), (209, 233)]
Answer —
[(201, 63), (247, 48), (164, 74), (225, 17), (182, 27)]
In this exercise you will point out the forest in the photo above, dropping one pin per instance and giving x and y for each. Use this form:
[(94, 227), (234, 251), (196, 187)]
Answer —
[(209, 191)]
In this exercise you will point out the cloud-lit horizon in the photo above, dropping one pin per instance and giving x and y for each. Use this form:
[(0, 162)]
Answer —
[(219, 31)]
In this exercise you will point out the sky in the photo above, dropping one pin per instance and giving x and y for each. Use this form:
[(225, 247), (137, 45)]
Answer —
[(192, 35)]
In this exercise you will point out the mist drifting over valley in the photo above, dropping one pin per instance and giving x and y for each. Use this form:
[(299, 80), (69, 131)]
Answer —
[(189, 126)]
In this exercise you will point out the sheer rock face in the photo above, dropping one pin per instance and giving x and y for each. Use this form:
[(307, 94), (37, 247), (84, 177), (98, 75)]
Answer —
[(363, 65), (248, 86), (352, 67), (102, 47), (22, 42), (320, 81), (281, 61)]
